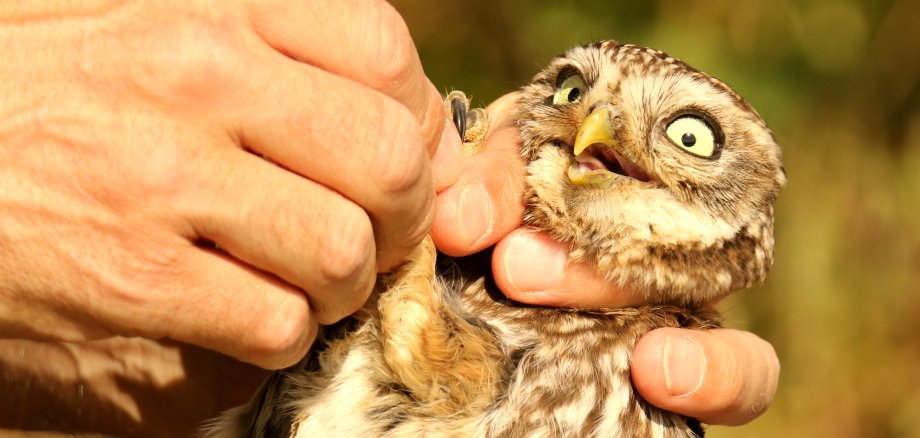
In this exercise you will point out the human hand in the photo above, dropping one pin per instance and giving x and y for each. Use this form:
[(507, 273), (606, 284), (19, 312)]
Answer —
[(736, 373), (133, 137)]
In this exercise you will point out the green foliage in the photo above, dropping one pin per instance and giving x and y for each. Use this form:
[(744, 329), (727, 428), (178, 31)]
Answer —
[(839, 83)]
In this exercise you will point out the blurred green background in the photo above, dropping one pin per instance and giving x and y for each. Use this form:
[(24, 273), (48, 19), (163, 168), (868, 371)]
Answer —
[(839, 83)]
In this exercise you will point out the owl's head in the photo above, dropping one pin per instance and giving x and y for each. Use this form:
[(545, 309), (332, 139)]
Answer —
[(661, 175)]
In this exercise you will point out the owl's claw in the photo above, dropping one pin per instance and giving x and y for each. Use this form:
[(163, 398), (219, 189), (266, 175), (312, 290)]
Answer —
[(458, 110), (472, 124)]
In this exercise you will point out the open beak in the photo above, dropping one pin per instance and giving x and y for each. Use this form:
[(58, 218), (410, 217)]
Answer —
[(595, 129), (597, 161)]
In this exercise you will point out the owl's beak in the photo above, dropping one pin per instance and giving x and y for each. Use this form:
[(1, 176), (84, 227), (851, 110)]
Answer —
[(594, 129), (598, 163)]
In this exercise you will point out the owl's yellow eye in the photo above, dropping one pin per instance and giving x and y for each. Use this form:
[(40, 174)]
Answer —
[(692, 134), (570, 90)]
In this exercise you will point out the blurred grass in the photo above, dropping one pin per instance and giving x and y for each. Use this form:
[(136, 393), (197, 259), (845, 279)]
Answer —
[(839, 83)]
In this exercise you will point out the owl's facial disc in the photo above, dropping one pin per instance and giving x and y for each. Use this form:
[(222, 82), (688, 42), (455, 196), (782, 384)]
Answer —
[(597, 162)]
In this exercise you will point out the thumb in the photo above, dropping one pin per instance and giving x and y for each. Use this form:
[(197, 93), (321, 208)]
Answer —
[(531, 267), (482, 203), (720, 376)]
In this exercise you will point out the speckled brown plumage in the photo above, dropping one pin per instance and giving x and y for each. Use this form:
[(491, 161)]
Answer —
[(439, 352)]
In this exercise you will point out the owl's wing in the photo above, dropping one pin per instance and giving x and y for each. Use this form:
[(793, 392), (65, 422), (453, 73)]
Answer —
[(267, 414), (267, 417)]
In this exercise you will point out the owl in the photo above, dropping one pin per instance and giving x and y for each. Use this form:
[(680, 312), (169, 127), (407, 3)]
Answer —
[(658, 174)]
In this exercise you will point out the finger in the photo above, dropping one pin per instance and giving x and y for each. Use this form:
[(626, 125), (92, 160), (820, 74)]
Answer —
[(349, 138), (446, 163), (485, 202), (278, 222), (366, 41), (224, 305), (531, 267), (720, 376)]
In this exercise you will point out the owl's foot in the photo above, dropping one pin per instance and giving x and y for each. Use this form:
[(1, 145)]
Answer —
[(472, 124)]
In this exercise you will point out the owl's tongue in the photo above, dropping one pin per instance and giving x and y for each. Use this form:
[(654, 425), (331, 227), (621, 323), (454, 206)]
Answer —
[(588, 163), (596, 163)]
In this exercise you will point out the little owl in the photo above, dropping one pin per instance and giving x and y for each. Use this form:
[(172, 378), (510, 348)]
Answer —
[(659, 175)]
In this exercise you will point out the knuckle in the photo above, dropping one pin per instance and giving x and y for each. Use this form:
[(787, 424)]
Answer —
[(348, 250), (395, 49), (135, 281), (400, 161), (433, 121), (409, 234), (167, 172), (405, 212), (195, 62), (145, 273), (282, 335), (346, 303), (418, 228)]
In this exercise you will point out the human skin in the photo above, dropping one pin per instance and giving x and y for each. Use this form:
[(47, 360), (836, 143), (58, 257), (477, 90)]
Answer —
[(162, 158)]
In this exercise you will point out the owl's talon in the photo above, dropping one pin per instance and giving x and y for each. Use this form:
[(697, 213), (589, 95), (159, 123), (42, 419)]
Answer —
[(458, 110), (472, 124)]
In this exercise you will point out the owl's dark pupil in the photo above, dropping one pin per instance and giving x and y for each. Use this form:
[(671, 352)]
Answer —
[(574, 94), (688, 139)]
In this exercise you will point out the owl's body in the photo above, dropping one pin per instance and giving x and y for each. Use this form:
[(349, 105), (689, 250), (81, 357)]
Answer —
[(661, 176)]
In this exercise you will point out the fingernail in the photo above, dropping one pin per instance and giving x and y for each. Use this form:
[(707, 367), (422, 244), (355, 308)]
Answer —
[(533, 263), (474, 218), (445, 165), (684, 365)]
